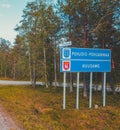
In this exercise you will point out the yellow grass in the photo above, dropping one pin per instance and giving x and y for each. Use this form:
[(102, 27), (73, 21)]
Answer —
[(41, 109)]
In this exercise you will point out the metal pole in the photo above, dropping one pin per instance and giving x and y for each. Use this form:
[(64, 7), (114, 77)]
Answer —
[(64, 90), (77, 96), (104, 90), (90, 93)]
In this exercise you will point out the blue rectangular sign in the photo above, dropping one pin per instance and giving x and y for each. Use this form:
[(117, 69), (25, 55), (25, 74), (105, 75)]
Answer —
[(85, 60)]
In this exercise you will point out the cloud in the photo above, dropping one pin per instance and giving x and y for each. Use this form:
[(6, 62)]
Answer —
[(6, 6)]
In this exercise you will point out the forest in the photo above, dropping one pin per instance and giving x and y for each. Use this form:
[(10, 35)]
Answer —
[(45, 28)]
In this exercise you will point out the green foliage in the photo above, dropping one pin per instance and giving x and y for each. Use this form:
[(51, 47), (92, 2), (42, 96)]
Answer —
[(5, 58), (35, 51), (39, 25)]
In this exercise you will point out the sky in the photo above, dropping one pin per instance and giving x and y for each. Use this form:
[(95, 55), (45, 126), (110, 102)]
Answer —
[(10, 15), (11, 12)]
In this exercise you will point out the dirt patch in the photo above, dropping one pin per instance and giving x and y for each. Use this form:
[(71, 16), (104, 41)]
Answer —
[(6, 122)]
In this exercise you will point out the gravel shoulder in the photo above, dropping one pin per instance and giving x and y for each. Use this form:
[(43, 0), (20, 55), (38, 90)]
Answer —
[(6, 122)]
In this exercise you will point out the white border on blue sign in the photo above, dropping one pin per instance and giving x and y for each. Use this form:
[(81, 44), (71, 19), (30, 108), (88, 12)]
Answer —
[(66, 49)]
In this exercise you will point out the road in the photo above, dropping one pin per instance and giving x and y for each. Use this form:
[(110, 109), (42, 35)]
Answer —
[(98, 88), (7, 82)]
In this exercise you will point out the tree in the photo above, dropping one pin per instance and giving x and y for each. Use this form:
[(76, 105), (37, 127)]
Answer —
[(89, 20), (4, 57), (39, 24)]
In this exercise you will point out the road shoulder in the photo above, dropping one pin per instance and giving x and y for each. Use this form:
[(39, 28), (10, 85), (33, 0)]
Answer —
[(6, 122)]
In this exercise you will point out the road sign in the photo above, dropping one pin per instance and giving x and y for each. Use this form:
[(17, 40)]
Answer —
[(85, 60)]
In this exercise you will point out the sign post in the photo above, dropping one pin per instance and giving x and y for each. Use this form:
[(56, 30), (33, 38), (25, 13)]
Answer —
[(84, 60), (90, 94), (64, 90), (77, 96), (104, 90)]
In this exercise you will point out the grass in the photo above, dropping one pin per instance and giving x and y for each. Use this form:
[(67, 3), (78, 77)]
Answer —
[(41, 109)]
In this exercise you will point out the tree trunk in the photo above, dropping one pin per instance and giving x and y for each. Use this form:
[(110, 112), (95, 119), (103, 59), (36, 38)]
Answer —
[(112, 82), (103, 46), (84, 86), (5, 73), (30, 71), (34, 74), (71, 83), (85, 41), (1, 70), (55, 70), (14, 70), (45, 68)]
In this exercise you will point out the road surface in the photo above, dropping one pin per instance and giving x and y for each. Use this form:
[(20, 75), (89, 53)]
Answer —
[(98, 88), (7, 82)]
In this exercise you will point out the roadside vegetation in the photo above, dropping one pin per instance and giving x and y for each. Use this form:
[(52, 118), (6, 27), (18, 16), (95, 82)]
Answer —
[(44, 28), (41, 109)]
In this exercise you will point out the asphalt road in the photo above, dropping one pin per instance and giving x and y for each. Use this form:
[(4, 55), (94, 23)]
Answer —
[(6, 82), (98, 88)]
